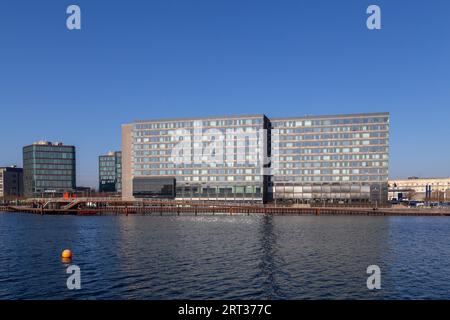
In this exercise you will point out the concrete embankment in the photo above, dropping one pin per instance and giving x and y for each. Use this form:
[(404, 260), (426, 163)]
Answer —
[(233, 210)]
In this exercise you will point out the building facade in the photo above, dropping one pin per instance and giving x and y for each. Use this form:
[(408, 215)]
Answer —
[(333, 159), (49, 169), (110, 172), (11, 182), (420, 189), (216, 158)]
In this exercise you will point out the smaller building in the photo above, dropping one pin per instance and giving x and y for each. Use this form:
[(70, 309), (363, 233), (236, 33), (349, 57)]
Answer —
[(11, 182), (110, 172), (83, 192), (49, 169), (420, 189)]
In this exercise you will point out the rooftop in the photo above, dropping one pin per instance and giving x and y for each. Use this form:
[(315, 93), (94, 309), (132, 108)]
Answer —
[(356, 115)]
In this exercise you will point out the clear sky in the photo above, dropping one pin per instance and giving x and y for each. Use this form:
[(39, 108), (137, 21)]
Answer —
[(166, 58)]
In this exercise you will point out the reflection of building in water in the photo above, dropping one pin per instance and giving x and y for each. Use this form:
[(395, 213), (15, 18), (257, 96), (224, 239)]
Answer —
[(435, 189), (327, 257), (269, 264)]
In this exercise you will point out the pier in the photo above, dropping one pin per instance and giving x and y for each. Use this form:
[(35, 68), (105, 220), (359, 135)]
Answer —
[(104, 206)]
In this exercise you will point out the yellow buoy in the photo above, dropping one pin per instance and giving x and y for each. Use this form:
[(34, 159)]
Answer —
[(66, 254)]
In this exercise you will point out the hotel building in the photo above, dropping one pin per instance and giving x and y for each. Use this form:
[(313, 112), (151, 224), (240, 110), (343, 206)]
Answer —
[(332, 159), (48, 169), (216, 158)]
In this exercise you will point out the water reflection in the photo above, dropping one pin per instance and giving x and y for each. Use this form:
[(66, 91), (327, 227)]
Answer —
[(269, 259)]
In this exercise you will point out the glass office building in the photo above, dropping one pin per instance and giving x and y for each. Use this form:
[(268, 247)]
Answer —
[(49, 169), (323, 159), (215, 158), (11, 182), (330, 159), (110, 172)]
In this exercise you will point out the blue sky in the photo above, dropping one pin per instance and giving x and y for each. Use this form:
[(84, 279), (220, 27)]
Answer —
[(166, 58)]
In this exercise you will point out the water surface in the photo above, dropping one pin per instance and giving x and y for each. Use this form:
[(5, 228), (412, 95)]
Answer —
[(224, 257)]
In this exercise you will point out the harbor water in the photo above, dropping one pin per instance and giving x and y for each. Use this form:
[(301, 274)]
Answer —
[(224, 257)]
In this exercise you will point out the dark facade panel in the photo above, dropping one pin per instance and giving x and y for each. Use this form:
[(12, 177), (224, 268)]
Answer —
[(154, 187), (11, 182)]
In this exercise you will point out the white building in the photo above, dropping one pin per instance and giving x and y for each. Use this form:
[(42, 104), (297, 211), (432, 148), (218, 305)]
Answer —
[(415, 188)]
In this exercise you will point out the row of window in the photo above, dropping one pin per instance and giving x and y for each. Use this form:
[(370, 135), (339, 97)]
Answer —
[(141, 143), (49, 155), (329, 143), (206, 158), (288, 177), (333, 157), (50, 149), (331, 171), (206, 123), (276, 132), (344, 164), (373, 149), (54, 172), (327, 122), (220, 178), (53, 184), (68, 177), (336, 136), (248, 171), (44, 162)]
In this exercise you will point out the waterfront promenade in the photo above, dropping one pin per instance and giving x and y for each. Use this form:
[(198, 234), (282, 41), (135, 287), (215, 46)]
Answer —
[(103, 206)]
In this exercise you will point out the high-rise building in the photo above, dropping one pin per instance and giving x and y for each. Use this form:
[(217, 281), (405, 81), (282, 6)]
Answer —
[(49, 169), (110, 172), (323, 159), (11, 182), (337, 159), (215, 158)]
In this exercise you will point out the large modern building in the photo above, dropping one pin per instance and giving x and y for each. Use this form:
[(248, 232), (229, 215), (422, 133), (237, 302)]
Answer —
[(11, 182), (110, 172), (333, 159), (216, 158), (49, 169)]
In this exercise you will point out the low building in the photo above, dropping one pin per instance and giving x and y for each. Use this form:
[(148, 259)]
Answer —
[(110, 172), (420, 189), (49, 169), (11, 182)]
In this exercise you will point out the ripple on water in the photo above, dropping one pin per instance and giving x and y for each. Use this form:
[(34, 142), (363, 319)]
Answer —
[(224, 257)]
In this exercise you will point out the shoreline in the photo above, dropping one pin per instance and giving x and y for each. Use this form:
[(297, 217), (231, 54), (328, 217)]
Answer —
[(231, 210)]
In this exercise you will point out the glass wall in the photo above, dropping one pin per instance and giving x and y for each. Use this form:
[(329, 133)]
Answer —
[(330, 159), (49, 170), (110, 172), (212, 158)]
